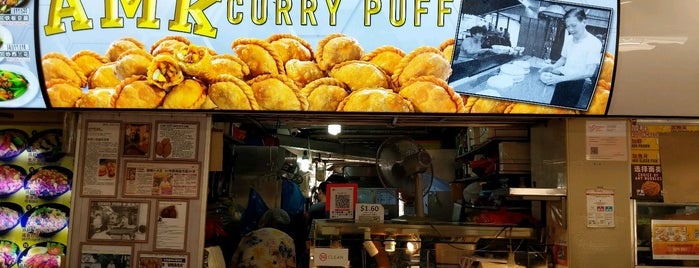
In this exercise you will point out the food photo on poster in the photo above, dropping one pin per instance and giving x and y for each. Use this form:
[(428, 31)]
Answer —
[(284, 56)]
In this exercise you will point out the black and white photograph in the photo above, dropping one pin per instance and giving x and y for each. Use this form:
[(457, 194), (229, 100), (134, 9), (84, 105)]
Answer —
[(121, 220), (105, 256), (539, 52)]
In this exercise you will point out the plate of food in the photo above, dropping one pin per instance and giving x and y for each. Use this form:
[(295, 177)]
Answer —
[(43, 254), (7, 5), (10, 214), (12, 143), (11, 179), (48, 182), (9, 251), (18, 85), (46, 220), (47, 145), (5, 38)]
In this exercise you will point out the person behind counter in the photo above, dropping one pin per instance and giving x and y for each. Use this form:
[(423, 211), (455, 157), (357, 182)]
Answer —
[(473, 45), (267, 246), (580, 57)]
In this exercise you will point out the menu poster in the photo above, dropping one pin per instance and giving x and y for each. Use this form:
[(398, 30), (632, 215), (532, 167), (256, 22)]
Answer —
[(675, 239), (35, 193), (119, 220), (170, 229), (100, 165), (105, 255), (137, 139), (646, 172), (176, 140), (162, 260), (160, 179)]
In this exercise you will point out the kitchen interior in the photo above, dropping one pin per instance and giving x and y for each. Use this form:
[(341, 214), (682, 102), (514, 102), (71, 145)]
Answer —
[(485, 200), (522, 36)]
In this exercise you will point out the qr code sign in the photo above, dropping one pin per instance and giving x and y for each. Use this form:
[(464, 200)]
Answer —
[(342, 201)]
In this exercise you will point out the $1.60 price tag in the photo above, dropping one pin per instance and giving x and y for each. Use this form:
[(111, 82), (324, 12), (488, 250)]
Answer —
[(368, 213)]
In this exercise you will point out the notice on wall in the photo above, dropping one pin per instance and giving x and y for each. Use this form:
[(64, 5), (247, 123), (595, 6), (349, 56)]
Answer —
[(606, 141), (158, 179), (176, 141), (675, 240), (101, 159), (600, 208), (170, 230), (162, 260)]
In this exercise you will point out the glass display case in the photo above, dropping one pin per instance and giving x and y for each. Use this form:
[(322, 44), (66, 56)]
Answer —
[(654, 217)]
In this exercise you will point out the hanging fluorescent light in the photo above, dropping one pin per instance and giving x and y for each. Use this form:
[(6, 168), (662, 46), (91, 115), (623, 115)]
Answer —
[(304, 162), (334, 129)]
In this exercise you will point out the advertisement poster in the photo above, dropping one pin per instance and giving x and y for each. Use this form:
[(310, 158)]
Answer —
[(600, 208), (306, 55), (171, 227), (153, 179), (675, 239), (646, 172), (35, 191), (101, 159)]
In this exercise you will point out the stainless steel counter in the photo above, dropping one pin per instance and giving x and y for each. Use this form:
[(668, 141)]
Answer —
[(324, 228), (531, 89)]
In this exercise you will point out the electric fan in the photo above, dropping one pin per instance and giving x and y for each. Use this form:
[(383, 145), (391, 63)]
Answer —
[(401, 163)]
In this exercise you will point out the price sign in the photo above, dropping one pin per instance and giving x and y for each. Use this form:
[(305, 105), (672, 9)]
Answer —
[(368, 213)]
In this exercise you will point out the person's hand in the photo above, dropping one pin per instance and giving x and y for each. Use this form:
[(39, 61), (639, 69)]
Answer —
[(549, 78), (546, 68)]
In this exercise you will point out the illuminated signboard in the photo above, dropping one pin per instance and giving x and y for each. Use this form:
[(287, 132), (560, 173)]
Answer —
[(369, 56)]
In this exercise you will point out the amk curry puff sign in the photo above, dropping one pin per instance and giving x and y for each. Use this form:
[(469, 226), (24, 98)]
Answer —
[(397, 56)]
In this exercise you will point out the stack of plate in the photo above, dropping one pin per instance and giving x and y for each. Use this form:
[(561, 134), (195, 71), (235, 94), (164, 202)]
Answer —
[(516, 72)]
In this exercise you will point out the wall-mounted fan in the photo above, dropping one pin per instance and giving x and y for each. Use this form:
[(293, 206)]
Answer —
[(401, 163)]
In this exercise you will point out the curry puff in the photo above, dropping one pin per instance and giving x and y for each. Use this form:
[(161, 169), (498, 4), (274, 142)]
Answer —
[(277, 92), (375, 100), (447, 48), (57, 66), (120, 46), (432, 95), (360, 74), (104, 77), (97, 98), (194, 60), (132, 62), (164, 72), (189, 94), (303, 72), (290, 47), (227, 64), (88, 61), (325, 94), (169, 45), (337, 48), (231, 93), (63, 93), (259, 55), (136, 92), (527, 108), (486, 105), (422, 61), (385, 57)]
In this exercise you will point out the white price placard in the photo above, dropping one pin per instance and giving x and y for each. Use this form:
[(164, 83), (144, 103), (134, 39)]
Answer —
[(368, 213)]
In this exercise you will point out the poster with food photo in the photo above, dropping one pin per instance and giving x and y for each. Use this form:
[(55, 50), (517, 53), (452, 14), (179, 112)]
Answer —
[(284, 57), (176, 140), (170, 230), (35, 191), (162, 179), (137, 139), (101, 155)]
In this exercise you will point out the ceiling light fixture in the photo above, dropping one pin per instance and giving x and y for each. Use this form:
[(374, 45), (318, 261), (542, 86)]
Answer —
[(334, 129)]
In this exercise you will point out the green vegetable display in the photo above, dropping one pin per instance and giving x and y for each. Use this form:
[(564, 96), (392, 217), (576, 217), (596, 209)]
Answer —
[(12, 85)]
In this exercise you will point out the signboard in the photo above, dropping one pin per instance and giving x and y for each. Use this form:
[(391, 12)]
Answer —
[(675, 239), (302, 55), (337, 257)]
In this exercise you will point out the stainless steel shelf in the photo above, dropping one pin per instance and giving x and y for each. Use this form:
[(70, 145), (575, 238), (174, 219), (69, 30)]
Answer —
[(534, 193), (426, 228)]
